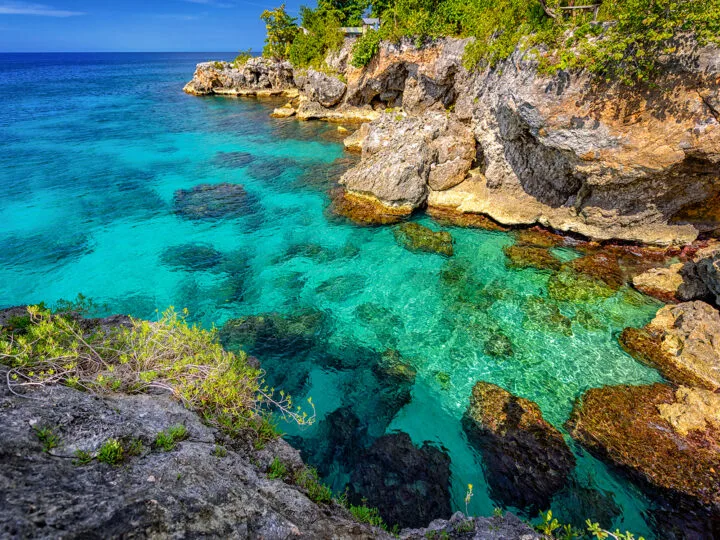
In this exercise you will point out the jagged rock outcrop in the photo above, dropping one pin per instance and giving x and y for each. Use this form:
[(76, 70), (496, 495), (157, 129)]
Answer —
[(666, 439), (320, 87), (526, 460), (192, 490), (402, 156), (566, 151), (506, 527), (258, 76), (682, 342)]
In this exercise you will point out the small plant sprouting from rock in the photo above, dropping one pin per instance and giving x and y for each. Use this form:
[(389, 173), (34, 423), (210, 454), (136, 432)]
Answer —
[(167, 440), (135, 447), (242, 58), (465, 526), (598, 532), (552, 528), (468, 497), (111, 452), (277, 470), (219, 451), (498, 512), (47, 438), (82, 457), (308, 479)]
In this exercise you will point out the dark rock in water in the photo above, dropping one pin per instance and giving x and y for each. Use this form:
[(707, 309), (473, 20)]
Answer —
[(505, 527), (339, 288), (191, 257), (383, 321), (233, 160), (212, 201), (272, 331), (567, 285), (498, 345), (525, 459), (270, 168), (666, 439), (392, 364), (409, 485), (577, 503), (339, 439), (588, 320), (443, 379), (178, 494), (415, 237), (51, 248)]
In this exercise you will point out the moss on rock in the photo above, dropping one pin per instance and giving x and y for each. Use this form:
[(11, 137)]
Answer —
[(524, 256), (416, 237)]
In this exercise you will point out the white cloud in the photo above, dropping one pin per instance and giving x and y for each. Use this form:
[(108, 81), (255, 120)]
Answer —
[(213, 3), (40, 10)]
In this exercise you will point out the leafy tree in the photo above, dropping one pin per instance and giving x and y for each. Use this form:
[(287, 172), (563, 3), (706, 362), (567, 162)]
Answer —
[(281, 31), (322, 34)]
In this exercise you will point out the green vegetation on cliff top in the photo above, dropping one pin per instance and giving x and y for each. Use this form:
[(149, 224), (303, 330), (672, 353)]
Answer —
[(167, 355), (624, 39)]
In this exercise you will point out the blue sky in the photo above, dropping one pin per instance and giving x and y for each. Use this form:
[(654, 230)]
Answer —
[(134, 25)]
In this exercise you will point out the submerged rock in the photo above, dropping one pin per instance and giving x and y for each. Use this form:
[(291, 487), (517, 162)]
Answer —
[(272, 331), (498, 345), (525, 459), (682, 342), (538, 237), (545, 316), (191, 257), (662, 439), (416, 237), (568, 285), (602, 266), (212, 201), (409, 485), (233, 160), (524, 256)]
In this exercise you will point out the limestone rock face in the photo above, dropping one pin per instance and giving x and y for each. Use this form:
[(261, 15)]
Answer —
[(401, 155), (526, 459), (257, 75), (662, 283), (683, 342), (186, 492), (320, 87), (661, 438), (566, 151), (508, 526)]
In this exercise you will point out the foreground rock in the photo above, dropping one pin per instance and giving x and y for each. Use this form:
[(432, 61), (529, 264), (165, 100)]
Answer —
[(189, 491), (682, 342), (409, 485), (507, 526), (668, 440), (526, 460), (662, 283)]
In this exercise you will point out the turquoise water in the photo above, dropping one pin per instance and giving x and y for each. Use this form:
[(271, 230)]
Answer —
[(95, 148)]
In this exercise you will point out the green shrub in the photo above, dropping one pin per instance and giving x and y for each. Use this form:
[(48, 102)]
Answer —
[(365, 514), (167, 440), (47, 438), (277, 470), (242, 58), (167, 355), (111, 452), (219, 451), (280, 32), (322, 35), (82, 457), (135, 447), (365, 48), (219, 66), (308, 479)]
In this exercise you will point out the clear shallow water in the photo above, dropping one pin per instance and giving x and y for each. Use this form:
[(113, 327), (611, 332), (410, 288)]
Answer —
[(94, 148)]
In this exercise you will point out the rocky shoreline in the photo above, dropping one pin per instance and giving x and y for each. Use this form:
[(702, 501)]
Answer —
[(563, 151)]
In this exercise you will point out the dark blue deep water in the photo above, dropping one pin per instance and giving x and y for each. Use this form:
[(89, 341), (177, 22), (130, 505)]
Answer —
[(95, 148)]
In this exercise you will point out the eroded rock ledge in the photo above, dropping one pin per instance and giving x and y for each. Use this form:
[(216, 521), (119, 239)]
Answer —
[(562, 151)]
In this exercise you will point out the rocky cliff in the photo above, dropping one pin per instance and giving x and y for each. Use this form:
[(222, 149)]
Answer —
[(565, 151)]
